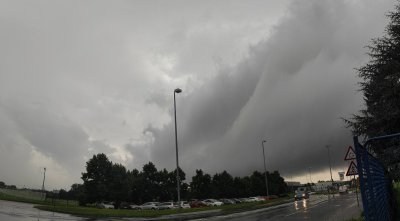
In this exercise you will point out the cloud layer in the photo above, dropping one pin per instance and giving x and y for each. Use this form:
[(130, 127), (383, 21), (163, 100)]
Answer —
[(78, 78)]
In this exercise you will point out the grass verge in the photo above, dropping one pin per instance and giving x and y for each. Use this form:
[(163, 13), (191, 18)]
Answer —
[(47, 201), (397, 192)]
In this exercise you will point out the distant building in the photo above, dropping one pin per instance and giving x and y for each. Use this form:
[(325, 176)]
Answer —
[(292, 183), (321, 186)]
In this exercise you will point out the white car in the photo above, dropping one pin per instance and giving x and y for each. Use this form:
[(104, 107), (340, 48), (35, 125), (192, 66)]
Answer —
[(255, 199), (213, 202), (166, 205), (105, 205), (184, 205), (149, 206)]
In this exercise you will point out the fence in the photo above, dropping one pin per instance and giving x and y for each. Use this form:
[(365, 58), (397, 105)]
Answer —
[(375, 185), (27, 194)]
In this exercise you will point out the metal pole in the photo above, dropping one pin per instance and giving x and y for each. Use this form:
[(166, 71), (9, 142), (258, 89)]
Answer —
[(265, 167), (330, 166), (358, 203), (44, 177), (177, 159)]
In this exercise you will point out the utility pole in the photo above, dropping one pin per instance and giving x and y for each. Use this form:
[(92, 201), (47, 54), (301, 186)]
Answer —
[(265, 167), (44, 177), (330, 165)]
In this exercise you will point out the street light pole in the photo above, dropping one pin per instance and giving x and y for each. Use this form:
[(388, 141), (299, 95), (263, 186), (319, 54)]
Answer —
[(44, 177), (330, 166), (265, 168), (177, 91)]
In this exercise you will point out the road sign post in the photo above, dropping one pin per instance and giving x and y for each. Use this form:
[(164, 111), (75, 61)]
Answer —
[(352, 170)]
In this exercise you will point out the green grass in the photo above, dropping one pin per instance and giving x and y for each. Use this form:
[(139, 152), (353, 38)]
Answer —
[(397, 192), (95, 212), (47, 201)]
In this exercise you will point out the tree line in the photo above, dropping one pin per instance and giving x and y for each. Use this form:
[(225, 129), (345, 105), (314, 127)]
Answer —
[(107, 181)]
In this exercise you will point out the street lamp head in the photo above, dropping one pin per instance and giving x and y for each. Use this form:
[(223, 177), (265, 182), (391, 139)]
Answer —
[(178, 90), (264, 141)]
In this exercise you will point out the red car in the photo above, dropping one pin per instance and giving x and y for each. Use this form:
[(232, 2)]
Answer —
[(194, 203)]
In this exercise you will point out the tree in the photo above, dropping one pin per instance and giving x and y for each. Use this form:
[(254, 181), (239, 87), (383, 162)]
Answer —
[(150, 182), (257, 182), (276, 184), (381, 89), (96, 180), (381, 85), (119, 184), (200, 185), (223, 185), (77, 192), (63, 194)]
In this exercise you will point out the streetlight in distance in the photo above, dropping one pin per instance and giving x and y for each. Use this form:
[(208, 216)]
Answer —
[(44, 178), (330, 166), (177, 91), (265, 168)]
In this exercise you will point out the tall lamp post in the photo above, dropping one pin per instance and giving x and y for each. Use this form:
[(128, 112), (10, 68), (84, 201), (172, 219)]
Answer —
[(44, 177), (265, 168), (330, 166), (177, 91)]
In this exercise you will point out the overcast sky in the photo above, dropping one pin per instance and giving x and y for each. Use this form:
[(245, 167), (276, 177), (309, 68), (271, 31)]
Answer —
[(79, 78)]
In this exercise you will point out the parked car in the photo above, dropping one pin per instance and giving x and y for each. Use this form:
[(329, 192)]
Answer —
[(149, 206), (105, 205), (255, 199), (227, 201), (213, 202), (194, 203), (245, 200), (167, 205), (184, 205), (236, 200)]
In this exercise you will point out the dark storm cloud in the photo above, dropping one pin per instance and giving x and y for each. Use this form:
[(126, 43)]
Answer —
[(82, 77), (292, 89), (49, 133)]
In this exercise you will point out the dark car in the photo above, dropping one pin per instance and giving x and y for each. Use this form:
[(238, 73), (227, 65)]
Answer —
[(194, 203), (301, 193), (227, 201)]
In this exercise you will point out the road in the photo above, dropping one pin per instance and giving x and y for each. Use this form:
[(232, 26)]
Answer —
[(14, 211), (317, 208)]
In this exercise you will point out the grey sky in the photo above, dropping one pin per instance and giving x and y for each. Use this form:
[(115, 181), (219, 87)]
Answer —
[(82, 77)]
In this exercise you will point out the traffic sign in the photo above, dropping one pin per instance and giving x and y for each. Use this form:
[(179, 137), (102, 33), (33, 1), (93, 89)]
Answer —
[(352, 169), (350, 155)]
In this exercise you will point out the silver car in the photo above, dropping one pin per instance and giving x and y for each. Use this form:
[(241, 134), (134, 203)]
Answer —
[(149, 206), (166, 205)]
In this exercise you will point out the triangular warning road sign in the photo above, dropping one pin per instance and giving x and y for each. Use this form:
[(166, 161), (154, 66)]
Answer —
[(352, 169), (350, 155)]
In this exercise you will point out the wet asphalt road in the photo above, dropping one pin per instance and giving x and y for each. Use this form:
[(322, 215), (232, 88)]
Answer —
[(13, 211), (317, 208)]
